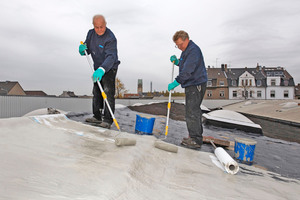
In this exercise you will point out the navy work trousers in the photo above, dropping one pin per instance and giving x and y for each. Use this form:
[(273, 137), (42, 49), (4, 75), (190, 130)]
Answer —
[(193, 114), (108, 82)]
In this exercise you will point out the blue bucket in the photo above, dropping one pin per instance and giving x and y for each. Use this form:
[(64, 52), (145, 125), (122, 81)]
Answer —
[(244, 150), (144, 125)]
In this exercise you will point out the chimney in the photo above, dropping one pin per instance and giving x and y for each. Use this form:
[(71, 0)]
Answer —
[(225, 67), (222, 67)]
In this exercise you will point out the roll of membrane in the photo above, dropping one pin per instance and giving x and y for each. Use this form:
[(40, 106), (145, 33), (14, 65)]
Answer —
[(230, 165)]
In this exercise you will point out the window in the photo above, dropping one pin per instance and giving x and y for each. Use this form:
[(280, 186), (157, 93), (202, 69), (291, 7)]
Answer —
[(246, 82), (246, 93), (209, 83), (234, 93), (209, 93), (251, 93), (243, 83), (250, 82), (259, 94), (272, 94), (286, 94), (222, 93), (233, 82), (258, 82), (273, 82), (222, 83)]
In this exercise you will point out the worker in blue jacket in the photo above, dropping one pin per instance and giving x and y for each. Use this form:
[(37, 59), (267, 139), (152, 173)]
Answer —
[(192, 77), (101, 43)]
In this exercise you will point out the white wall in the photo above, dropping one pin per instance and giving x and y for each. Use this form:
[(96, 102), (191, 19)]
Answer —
[(17, 106), (279, 92), (253, 89)]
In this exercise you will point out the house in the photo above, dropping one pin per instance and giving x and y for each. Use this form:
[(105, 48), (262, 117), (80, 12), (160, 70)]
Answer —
[(297, 91), (131, 96), (217, 87), (68, 94), (246, 83), (280, 84), (11, 88), (36, 93)]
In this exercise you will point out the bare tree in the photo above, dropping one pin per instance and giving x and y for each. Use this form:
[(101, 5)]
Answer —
[(120, 89)]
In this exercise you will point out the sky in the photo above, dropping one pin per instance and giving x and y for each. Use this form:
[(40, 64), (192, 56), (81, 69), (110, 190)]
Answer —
[(40, 39)]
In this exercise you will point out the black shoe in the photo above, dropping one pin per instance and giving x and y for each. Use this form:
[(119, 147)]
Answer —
[(190, 143), (93, 120), (105, 125)]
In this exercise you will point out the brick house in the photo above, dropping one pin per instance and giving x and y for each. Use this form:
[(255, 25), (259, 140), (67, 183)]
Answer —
[(11, 88), (217, 87)]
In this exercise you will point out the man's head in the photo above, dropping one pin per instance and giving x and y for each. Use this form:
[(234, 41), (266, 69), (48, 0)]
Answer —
[(99, 23), (181, 39)]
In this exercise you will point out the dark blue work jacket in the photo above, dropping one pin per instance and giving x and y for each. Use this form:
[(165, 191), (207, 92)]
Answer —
[(192, 69), (103, 49)]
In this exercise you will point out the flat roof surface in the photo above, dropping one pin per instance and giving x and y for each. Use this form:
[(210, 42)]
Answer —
[(53, 157), (288, 110)]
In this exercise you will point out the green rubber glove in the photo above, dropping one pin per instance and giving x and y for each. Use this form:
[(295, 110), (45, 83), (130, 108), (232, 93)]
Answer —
[(173, 85), (82, 48), (97, 75), (174, 59)]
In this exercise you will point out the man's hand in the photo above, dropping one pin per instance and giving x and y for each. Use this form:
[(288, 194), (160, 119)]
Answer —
[(173, 85), (82, 48), (174, 59), (97, 76)]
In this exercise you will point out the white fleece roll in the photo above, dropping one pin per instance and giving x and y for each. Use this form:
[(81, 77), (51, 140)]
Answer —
[(225, 159)]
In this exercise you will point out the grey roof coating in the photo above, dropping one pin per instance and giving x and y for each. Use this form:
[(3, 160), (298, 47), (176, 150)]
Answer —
[(64, 159)]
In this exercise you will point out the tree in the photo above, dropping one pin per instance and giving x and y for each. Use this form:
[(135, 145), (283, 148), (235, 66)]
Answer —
[(120, 89)]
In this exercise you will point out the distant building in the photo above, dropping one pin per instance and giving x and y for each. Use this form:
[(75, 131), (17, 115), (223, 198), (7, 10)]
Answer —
[(140, 87), (217, 87), (280, 84), (131, 96), (11, 88), (246, 83), (249, 83), (36, 93), (297, 91), (68, 94)]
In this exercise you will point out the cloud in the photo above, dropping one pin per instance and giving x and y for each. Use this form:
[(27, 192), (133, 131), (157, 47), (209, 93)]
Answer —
[(40, 39)]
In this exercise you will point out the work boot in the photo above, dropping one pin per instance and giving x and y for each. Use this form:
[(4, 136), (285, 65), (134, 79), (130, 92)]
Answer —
[(191, 143), (93, 120), (185, 138), (105, 125)]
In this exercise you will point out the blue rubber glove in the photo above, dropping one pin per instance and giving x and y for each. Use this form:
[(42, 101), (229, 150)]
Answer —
[(174, 59), (82, 48), (97, 75), (173, 85)]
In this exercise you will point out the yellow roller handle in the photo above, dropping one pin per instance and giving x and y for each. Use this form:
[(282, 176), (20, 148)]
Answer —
[(81, 42), (169, 105), (166, 130), (116, 123), (104, 95)]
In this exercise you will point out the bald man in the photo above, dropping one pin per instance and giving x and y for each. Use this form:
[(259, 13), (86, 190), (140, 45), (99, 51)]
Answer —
[(101, 43)]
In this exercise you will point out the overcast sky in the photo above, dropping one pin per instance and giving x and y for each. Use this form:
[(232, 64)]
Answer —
[(40, 38)]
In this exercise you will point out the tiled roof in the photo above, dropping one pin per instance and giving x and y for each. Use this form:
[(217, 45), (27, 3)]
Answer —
[(7, 85), (35, 93), (214, 73)]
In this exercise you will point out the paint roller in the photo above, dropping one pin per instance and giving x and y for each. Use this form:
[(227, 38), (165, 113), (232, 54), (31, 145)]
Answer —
[(120, 141), (160, 144), (165, 146), (124, 142)]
